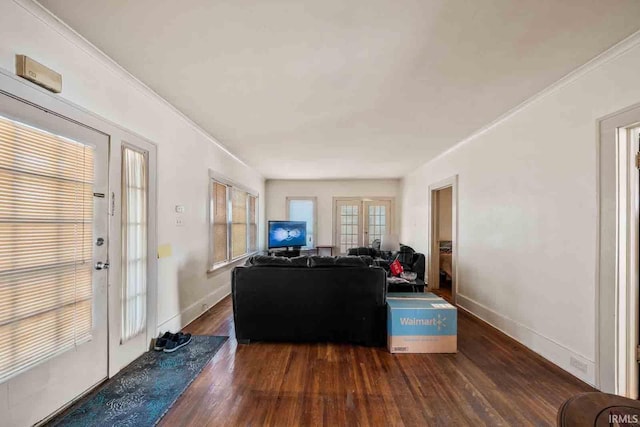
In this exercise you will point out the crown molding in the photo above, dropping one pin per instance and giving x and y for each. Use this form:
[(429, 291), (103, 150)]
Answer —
[(608, 55), (52, 21), (56, 24)]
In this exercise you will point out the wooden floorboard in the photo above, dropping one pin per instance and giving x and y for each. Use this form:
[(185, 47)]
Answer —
[(492, 380)]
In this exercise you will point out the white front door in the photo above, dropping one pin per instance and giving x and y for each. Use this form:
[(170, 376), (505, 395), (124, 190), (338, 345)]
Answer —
[(54, 203)]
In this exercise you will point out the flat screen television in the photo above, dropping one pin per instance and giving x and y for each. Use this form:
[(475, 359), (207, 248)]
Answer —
[(284, 234)]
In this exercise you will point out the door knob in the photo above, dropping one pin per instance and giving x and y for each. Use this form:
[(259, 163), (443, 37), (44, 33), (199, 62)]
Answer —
[(102, 265)]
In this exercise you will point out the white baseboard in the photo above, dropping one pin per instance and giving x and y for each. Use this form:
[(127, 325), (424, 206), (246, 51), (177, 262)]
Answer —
[(567, 359), (195, 310)]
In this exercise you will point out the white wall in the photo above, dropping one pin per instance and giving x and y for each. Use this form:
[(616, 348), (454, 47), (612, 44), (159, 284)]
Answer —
[(528, 212), (325, 190), (185, 153)]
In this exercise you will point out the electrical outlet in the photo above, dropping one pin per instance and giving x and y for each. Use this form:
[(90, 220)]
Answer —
[(179, 221), (580, 366)]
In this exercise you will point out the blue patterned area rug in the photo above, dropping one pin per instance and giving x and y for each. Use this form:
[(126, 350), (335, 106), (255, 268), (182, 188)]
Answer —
[(143, 392)]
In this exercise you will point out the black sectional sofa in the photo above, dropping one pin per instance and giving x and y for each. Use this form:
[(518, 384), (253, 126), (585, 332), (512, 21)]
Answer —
[(410, 259), (312, 299)]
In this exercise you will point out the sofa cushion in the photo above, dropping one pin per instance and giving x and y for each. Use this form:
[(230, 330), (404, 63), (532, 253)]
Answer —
[(405, 256), (380, 262), (300, 261), (321, 261), (363, 251), (264, 260), (351, 261), (367, 259)]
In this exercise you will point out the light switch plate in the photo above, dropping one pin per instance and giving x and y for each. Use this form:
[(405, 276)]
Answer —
[(179, 208)]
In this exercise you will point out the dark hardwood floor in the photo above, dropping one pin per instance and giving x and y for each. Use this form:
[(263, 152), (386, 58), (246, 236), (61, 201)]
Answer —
[(492, 380), (444, 292)]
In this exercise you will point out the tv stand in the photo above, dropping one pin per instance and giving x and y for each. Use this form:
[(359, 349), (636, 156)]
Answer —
[(290, 252)]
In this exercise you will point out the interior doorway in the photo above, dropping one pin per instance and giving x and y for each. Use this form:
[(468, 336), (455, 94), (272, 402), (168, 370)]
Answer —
[(442, 272), (617, 305)]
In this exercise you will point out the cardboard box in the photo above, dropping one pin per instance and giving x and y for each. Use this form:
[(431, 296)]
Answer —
[(421, 326), (412, 295)]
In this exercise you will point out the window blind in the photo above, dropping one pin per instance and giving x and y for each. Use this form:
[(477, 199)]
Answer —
[(234, 223), (46, 222), (253, 224), (134, 243), (239, 222), (220, 223)]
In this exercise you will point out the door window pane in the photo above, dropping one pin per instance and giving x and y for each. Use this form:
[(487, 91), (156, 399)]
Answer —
[(46, 250), (134, 243), (377, 223), (350, 223)]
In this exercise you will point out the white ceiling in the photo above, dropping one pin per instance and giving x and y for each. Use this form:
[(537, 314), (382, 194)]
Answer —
[(347, 89)]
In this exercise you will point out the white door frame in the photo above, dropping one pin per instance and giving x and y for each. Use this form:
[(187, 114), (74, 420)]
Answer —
[(433, 253), (616, 297), (22, 89)]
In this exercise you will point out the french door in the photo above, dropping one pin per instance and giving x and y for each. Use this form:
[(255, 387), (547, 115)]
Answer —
[(359, 221), (53, 261), (377, 220)]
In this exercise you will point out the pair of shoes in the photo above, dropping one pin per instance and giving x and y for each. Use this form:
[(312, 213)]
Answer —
[(179, 340), (162, 340), (169, 342)]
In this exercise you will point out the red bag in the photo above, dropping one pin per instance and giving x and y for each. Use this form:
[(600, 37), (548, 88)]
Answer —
[(396, 268)]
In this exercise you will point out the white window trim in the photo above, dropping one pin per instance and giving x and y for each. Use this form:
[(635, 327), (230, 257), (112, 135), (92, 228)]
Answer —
[(221, 179)]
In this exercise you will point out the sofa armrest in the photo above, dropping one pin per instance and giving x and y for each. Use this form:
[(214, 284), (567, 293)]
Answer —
[(418, 265)]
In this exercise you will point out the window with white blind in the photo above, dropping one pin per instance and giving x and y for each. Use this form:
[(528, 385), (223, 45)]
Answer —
[(233, 222), (46, 227), (134, 243), (219, 223), (304, 209), (253, 223), (239, 223)]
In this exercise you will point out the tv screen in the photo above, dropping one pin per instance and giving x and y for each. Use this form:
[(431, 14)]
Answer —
[(283, 234)]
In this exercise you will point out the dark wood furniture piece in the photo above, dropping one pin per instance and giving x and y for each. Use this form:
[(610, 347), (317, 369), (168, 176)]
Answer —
[(417, 286), (325, 247), (287, 253), (598, 409)]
